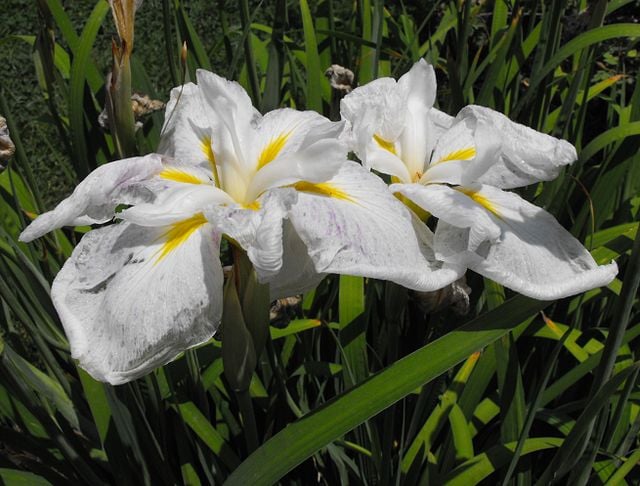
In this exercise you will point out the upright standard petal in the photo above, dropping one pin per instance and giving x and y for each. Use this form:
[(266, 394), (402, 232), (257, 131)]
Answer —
[(507, 239), (419, 86), (94, 200), (229, 104), (353, 225), (417, 140), (187, 131), (526, 155), (132, 298), (375, 116)]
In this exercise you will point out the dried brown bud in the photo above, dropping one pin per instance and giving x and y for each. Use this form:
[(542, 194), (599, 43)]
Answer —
[(124, 12), (7, 148), (340, 78), (141, 105), (455, 296), (283, 310)]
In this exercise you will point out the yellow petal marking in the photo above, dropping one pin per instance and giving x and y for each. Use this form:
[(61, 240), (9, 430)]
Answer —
[(206, 145), (466, 153), (418, 211), (273, 148), (385, 144), (207, 150), (481, 200), (178, 233), (177, 175), (255, 205), (322, 189)]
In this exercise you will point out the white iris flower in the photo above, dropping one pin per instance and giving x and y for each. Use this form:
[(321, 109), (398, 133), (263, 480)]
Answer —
[(135, 294), (456, 168)]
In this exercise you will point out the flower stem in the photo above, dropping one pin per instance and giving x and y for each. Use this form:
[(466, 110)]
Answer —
[(248, 419)]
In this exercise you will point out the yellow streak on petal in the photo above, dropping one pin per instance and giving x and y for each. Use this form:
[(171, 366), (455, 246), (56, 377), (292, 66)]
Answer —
[(207, 150), (178, 234), (385, 144), (322, 189), (466, 153), (177, 175), (481, 200), (255, 205), (419, 212), (272, 149)]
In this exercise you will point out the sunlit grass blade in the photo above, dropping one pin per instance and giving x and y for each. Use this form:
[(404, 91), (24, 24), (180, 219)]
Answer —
[(314, 75), (77, 89)]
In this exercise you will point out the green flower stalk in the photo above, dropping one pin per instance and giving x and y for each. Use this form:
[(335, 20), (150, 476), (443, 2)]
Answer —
[(121, 116)]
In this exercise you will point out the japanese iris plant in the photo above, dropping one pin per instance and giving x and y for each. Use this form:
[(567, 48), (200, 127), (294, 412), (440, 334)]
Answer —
[(456, 169), (136, 293)]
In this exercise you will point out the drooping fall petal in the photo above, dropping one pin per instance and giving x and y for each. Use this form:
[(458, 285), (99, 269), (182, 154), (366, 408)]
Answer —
[(509, 240), (353, 225), (132, 298)]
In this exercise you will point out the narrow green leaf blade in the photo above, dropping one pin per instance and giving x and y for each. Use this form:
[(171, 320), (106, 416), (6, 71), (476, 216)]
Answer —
[(301, 439)]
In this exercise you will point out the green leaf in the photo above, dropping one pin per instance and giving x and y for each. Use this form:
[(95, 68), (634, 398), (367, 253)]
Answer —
[(610, 136), (79, 69), (627, 466), (575, 45), (481, 466), (461, 434), (351, 308), (301, 439), (15, 477), (314, 72), (565, 453), (209, 435), (294, 327)]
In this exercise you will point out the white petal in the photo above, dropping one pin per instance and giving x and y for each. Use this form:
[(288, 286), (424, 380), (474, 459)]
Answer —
[(294, 146), (418, 137), (377, 108), (441, 121), (382, 102), (526, 155), (386, 162), (372, 147), (187, 130), (286, 131), (315, 163), (419, 84), (94, 200), (453, 206), (229, 104), (361, 229), (298, 274), (257, 231), (417, 141), (125, 311), (175, 204), (463, 153), (533, 255)]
